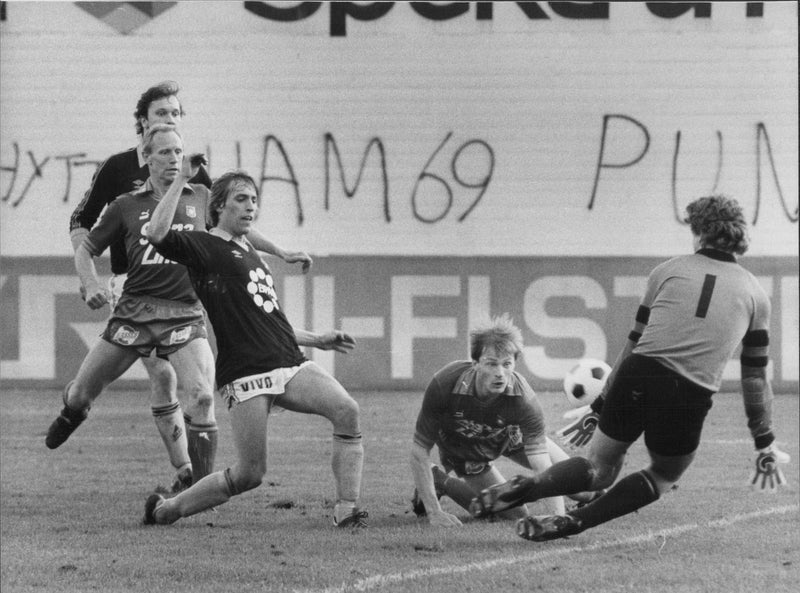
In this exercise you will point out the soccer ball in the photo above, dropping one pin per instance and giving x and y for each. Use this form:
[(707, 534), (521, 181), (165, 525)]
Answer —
[(585, 380)]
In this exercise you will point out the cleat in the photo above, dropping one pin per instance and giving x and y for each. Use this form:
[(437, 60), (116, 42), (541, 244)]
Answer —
[(356, 519), (439, 476), (182, 481), (496, 499), (63, 426), (150, 507), (547, 527)]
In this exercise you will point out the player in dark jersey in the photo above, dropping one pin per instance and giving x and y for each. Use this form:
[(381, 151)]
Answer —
[(120, 174), (476, 411), (259, 362), (696, 310)]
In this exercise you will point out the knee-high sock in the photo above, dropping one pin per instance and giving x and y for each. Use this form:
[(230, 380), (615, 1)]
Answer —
[(169, 421), (631, 493), (347, 461), (570, 476), (457, 489), (213, 490), (202, 440)]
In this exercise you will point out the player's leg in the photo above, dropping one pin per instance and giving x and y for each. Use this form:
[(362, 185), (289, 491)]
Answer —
[(249, 430), (104, 363), (487, 479), (313, 391), (557, 455), (168, 417), (194, 366)]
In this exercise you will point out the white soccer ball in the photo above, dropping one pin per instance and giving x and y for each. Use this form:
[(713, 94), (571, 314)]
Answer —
[(585, 380)]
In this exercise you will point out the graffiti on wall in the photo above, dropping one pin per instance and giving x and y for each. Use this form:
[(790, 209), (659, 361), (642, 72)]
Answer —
[(432, 196)]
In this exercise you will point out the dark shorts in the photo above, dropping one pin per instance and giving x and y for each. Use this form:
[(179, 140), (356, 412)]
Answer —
[(147, 323), (476, 468), (646, 397)]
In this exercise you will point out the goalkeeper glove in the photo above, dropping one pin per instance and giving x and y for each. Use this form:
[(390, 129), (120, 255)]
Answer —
[(767, 476), (581, 431)]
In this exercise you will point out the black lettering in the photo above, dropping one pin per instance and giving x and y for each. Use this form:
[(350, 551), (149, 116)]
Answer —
[(283, 14), (675, 154), (13, 170), (671, 10), (761, 130), (330, 141), (755, 9), (341, 10), (580, 10), (440, 12), (68, 159), (37, 172), (292, 179), (600, 162), (532, 10)]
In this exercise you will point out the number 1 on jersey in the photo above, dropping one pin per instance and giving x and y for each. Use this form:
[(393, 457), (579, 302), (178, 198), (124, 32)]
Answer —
[(705, 295)]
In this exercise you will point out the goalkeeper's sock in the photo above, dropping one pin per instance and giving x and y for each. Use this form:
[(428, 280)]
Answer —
[(202, 441), (347, 461), (629, 494), (597, 405), (570, 476), (169, 421)]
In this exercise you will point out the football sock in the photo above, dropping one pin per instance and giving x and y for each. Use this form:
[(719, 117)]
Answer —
[(213, 490), (629, 494), (169, 421), (202, 441), (565, 477), (457, 489), (347, 460)]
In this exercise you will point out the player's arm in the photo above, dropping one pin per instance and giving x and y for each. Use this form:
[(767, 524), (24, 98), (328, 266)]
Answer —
[(95, 294), (261, 243), (88, 210), (757, 395), (161, 220), (426, 490), (332, 340)]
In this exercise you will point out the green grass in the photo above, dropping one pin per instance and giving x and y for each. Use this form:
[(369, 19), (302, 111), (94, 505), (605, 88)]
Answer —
[(71, 517)]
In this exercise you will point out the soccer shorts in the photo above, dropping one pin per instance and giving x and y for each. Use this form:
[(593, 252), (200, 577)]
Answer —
[(272, 384), (147, 323), (649, 398)]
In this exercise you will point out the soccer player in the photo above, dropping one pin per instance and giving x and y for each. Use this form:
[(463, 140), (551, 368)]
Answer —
[(475, 411), (696, 310), (259, 363), (120, 174)]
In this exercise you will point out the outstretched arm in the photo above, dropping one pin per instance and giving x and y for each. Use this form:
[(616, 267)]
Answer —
[(332, 340), (261, 243), (161, 220), (93, 291)]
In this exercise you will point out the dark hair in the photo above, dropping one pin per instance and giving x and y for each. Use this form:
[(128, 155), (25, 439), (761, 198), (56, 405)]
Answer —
[(159, 91), (221, 188), (719, 222), (500, 333), (147, 141)]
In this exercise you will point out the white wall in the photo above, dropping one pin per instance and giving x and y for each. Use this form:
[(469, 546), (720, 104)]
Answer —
[(529, 94)]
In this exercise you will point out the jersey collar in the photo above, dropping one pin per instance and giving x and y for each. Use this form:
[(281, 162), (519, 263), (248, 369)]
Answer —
[(226, 236), (717, 254)]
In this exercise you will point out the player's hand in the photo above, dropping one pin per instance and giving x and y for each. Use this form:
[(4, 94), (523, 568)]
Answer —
[(580, 432), (297, 257), (191, 164), (767, 476), (95, 296), (337, 340), (443, 519)]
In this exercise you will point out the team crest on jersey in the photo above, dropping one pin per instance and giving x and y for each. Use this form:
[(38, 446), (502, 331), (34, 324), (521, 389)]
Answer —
[(179, 336), (125, 335), (137, 183), (191, 212)]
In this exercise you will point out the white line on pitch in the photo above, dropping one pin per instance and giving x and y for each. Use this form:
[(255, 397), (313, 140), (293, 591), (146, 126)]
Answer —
[(377, 581)]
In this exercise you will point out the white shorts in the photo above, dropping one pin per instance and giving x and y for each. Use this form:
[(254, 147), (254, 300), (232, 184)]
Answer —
[(271, 384)]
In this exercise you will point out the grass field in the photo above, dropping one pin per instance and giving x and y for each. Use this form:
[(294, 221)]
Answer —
[(71, 517)]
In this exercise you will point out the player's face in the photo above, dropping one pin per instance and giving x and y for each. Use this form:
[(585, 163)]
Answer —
[(238, 213), (166, 157), (166, 110), (494, 372)]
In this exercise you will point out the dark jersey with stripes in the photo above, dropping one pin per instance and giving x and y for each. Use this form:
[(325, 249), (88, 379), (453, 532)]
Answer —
[(699, 309), (120, 174), (238, 292), (468, 428)]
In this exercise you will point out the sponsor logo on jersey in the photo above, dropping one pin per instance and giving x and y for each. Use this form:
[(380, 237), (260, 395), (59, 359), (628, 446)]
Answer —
[(179, 336), (191, 212), (137, 184), (125, 335), (144, 215)]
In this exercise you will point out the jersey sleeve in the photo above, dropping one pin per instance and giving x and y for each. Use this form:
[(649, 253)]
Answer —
[(183, 247), (97, 197), (428, 420), (531, 422), (108, 230)]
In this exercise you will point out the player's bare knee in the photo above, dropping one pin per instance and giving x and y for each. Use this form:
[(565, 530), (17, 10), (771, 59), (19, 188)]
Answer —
[(346, 417), (248, 479)]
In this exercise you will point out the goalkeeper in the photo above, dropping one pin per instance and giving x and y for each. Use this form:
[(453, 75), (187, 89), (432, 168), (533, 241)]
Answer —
[(696, 311)]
